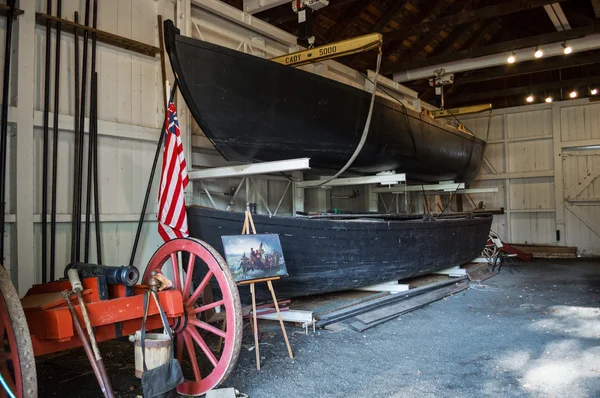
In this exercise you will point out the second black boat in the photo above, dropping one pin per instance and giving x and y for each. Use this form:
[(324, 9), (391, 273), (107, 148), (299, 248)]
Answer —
[(327, 255)]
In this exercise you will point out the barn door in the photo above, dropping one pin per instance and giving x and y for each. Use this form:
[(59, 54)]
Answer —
[(581, 168)]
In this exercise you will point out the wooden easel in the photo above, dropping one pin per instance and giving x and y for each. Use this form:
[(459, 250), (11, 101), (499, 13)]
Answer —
[(249, 223)]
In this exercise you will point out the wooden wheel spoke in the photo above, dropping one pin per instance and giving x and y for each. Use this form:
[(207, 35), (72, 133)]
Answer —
[(192, 354), (208, 328), (188, 276), (215, 274), (175, 266), (207, 307), (200, 289), (179, 353), (202, 344), (8, 378)]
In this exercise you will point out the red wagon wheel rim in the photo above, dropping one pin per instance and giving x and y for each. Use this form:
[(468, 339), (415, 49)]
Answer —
[(20, 376), (190, 337), (7, 332)]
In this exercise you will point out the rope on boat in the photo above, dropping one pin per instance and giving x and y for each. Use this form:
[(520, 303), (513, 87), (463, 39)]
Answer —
[(366, 129)]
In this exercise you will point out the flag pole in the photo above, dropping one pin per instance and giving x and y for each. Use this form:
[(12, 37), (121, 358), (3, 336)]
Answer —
[(159, 147)]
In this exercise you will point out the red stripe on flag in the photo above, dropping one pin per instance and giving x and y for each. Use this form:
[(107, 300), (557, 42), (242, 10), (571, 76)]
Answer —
[(172, 216)]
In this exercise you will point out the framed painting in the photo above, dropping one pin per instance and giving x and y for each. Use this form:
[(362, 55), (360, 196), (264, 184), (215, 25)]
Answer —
[(254, 256)]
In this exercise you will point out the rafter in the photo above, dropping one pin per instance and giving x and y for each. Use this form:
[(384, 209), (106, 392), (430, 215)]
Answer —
[(495, 11), (428, 37), (424, 12), (348, 18), (596, 5), (388, 16)]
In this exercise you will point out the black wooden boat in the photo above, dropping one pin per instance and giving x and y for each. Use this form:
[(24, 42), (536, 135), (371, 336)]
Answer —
[(253, 109), (326, 255)]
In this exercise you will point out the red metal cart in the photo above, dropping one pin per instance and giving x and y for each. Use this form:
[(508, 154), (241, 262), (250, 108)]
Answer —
[(41, 323)]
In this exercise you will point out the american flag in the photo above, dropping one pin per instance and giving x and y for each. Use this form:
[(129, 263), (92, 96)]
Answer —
[(172, 218)]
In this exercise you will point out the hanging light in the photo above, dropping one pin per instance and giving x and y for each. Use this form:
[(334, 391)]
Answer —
[(530, 98), (594, 91), (567, 49), (548, 99), (511, 58), (573, 94), (538, 52)]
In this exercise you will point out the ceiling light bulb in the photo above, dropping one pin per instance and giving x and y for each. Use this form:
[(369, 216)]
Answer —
[(567, 49), (548, 99), (573, 94), (511, 59), (594, 91), (538, 53), (530, 98)]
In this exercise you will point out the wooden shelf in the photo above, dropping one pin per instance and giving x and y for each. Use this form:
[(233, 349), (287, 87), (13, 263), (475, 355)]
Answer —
[(4, 11), (102, 36)]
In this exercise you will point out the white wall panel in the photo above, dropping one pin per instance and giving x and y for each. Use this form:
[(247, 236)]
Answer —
[(529, 124), (533, 228), (495, 159), (580, 122), (479, 126), (532, 194), (533, 155)]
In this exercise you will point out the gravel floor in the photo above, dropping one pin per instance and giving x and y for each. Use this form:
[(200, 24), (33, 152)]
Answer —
[(533, 332)]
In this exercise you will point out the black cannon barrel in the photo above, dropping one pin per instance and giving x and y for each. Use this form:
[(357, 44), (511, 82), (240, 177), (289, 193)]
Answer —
[(122, 275)]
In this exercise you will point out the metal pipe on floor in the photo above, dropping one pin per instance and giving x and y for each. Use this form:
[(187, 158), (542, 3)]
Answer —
[(76, 170), (4, 125), (82, 128), (45, 148), (55, 145)]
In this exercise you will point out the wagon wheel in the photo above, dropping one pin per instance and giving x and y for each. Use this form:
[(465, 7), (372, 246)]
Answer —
[(191, 332), (17, 362)]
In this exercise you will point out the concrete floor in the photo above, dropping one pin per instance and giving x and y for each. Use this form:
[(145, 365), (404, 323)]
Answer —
[(533, 332)]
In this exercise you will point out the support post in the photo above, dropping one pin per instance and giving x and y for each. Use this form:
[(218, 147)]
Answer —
[(25, 148)]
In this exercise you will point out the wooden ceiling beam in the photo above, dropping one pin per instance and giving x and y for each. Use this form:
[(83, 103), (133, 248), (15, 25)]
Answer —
[(424, 12), (421, 43), (495, 11), (502, 47), (522, 90), (596, 5), (388, 16), (349, 18)]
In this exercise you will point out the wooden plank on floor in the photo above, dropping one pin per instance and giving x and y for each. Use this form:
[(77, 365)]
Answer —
[(480, 272), (410, 304), (348, 312)]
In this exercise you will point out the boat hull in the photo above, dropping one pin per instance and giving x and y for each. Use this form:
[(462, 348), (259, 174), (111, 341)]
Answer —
[(329, 255), (253, 109)]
